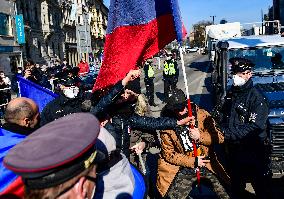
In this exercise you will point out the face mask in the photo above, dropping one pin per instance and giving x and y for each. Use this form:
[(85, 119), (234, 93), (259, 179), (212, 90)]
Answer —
[(71, 92), (19, 71), (3, 76), (238, 81)]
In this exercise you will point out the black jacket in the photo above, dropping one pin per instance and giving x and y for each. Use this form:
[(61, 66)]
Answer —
[(124, 118), (15, 128), (60, 107), (245, 113)]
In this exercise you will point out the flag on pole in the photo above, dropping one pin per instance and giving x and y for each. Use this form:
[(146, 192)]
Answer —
[(137, 30)]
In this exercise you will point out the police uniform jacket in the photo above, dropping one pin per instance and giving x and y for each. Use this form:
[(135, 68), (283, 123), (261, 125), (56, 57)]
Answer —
[(245, 112), (168, 75), (58, 108)]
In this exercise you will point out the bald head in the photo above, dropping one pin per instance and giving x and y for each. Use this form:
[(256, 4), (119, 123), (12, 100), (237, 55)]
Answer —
[(22, 111)]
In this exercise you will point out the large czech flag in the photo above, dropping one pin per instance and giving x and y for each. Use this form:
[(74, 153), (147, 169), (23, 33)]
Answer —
[(137, 30)]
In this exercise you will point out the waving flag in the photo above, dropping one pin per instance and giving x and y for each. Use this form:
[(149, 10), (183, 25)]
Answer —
[(137, 30), (40, 95), (10, 183)]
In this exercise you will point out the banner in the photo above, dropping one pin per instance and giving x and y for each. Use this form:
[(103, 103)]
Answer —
[(20, 29), (35, 92)]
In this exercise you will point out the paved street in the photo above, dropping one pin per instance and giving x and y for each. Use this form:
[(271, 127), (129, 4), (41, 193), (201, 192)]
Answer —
[(198, 74), (198, 82)]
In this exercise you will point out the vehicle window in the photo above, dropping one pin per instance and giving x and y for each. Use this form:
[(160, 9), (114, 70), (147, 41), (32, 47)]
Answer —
[(265, 59)]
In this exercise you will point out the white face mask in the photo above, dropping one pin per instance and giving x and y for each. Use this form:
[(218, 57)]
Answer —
[(238, 81), (71, 92)]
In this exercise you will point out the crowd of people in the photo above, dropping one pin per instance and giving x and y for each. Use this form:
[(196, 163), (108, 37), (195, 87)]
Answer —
[(83, 145)]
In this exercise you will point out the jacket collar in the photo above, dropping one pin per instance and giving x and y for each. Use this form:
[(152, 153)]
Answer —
[(15, 128)]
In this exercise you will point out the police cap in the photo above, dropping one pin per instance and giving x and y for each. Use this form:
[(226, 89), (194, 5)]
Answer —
[(56, 152), (240, 64)]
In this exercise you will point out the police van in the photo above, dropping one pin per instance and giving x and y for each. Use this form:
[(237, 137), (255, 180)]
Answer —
[(267, 53)]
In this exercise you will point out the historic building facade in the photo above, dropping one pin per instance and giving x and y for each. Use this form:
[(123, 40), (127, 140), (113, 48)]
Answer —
[(44, 35), (50, 28), (99, 18), (10, 50)]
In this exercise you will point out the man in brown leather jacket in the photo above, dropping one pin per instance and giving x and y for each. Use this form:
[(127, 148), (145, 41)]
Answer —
[(176, 166)]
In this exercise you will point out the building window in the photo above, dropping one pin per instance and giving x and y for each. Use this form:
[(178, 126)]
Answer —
[(28, 51), (4, 24), (53, 49), (47, 48), (39, 48), (36, 15)]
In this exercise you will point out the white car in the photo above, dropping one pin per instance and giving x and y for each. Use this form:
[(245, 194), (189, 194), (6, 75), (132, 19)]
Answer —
[(192, 50)]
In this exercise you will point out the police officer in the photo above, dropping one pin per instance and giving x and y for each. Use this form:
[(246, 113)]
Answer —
[(64, 159), (170, 75), (243, 121), (149, 82), (69, 101)]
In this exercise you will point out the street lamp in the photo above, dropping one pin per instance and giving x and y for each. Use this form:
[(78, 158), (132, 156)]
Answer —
[(213, 18)]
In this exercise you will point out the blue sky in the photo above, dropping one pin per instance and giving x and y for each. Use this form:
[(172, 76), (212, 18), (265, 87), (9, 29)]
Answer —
[(232, 10)]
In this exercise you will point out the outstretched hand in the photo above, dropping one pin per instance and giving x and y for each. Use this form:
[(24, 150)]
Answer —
[(133, 74)]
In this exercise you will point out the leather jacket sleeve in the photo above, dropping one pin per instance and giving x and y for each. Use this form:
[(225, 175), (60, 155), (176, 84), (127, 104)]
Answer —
[(108, 99), (151, 123)]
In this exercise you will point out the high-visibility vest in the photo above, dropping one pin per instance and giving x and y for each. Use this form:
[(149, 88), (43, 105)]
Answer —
[(169, 69), (150, 71)]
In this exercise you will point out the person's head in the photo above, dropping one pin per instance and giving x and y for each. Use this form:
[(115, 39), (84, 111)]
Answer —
[(57, 62), (43, 68), (174, 55), (2, 74), (62, 163), (64, 61), (19, 70), (22, 111), (69, 88), (31, 64), (176, 105), (241, 70), (132, 91)]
